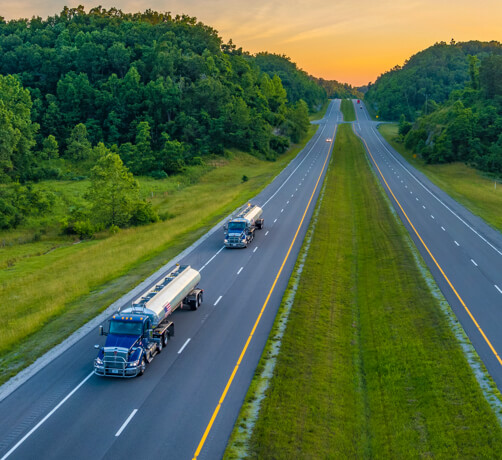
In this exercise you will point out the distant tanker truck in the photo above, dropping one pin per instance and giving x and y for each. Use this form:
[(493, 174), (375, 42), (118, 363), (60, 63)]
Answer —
[(138, 333), (239, 231)]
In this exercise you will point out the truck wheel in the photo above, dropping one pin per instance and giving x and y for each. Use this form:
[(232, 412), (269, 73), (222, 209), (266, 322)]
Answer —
[(142, 366), (160, 345), (165, 338)]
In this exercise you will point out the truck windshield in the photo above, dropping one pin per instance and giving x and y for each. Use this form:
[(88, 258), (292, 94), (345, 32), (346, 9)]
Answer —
[(126, 328), (236, 226)]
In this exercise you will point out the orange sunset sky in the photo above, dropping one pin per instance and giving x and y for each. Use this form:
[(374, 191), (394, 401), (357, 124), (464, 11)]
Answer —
[(344, 40)]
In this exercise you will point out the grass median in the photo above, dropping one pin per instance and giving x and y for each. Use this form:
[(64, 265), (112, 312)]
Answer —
[(347, 108), (481, 194), (369, 366), (53, 287)]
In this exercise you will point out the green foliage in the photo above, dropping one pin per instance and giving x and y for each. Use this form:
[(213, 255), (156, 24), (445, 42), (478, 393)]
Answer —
[(113, 192), (297, 83), (466, 126), (50, 148), (430, 75), (17, 130), (17, 202), (337, 90), (78, 145), (132, 79)]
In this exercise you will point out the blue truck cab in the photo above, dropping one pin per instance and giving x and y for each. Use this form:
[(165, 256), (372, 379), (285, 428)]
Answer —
[(130, 345)]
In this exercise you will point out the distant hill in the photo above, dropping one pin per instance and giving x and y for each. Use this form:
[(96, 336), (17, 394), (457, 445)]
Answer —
[(426, 79), (337, 90), (297, 83), (467, 125)]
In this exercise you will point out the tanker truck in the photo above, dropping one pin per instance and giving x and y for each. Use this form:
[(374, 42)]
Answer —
[(138, 333), (239, 231)]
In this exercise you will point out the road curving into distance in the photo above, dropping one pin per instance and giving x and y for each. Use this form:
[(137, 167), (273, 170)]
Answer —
[(463, 253), (189, 398)]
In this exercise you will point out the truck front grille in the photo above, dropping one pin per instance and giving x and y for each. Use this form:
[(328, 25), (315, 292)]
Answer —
[(115, 360)]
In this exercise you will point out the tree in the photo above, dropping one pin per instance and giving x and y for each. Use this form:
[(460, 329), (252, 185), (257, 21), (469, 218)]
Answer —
[(79, 147), (113, 192), (17, 130), (50, 147)]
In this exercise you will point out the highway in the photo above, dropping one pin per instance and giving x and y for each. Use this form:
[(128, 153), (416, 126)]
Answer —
[(187, 401), (463, 253)]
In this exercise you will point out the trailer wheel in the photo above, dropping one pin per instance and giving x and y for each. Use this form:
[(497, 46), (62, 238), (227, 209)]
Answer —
[(142, 366), (199, 298), (194, 304)]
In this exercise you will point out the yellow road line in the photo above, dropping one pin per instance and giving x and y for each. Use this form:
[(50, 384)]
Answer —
[(243, 352), (430, 254)]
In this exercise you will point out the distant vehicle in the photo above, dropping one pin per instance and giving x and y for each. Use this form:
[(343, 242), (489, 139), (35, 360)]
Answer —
[(138, 333), (360, 106), (239, 231), (358, 101), (328, 139)]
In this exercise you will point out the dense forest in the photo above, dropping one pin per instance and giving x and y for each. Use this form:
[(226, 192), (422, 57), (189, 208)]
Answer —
[(159, 92), (455, 113), (337, 90), (426, 79)]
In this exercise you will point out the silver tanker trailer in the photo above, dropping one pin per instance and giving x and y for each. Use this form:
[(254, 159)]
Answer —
[(139, 332)]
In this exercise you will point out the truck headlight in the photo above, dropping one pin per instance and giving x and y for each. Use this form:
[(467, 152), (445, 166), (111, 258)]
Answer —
[(99, 362), (225, 240), (133, 364)]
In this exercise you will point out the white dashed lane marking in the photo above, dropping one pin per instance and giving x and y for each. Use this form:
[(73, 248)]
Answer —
[(217, 300), (184, 345)]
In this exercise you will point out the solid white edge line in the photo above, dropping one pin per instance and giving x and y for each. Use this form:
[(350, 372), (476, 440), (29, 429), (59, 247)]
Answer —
[(39, 424), (434, 196), (239, 271), (217, 300), (133, 413), (184, 345)]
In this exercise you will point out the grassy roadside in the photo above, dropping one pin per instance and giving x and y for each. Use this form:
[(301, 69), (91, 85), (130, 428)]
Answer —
[(463, 183), (322, 111), (46, 296), (347, 108), (368, 366)]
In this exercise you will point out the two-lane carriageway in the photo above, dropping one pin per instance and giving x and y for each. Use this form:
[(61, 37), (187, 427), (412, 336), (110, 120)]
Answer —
[(186, 403), (462, 252)]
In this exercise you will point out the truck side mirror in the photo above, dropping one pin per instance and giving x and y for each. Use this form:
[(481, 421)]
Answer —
[(97, 347)]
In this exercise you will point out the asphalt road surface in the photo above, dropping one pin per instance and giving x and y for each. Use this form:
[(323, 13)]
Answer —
[(187, 401), (463, 253)]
